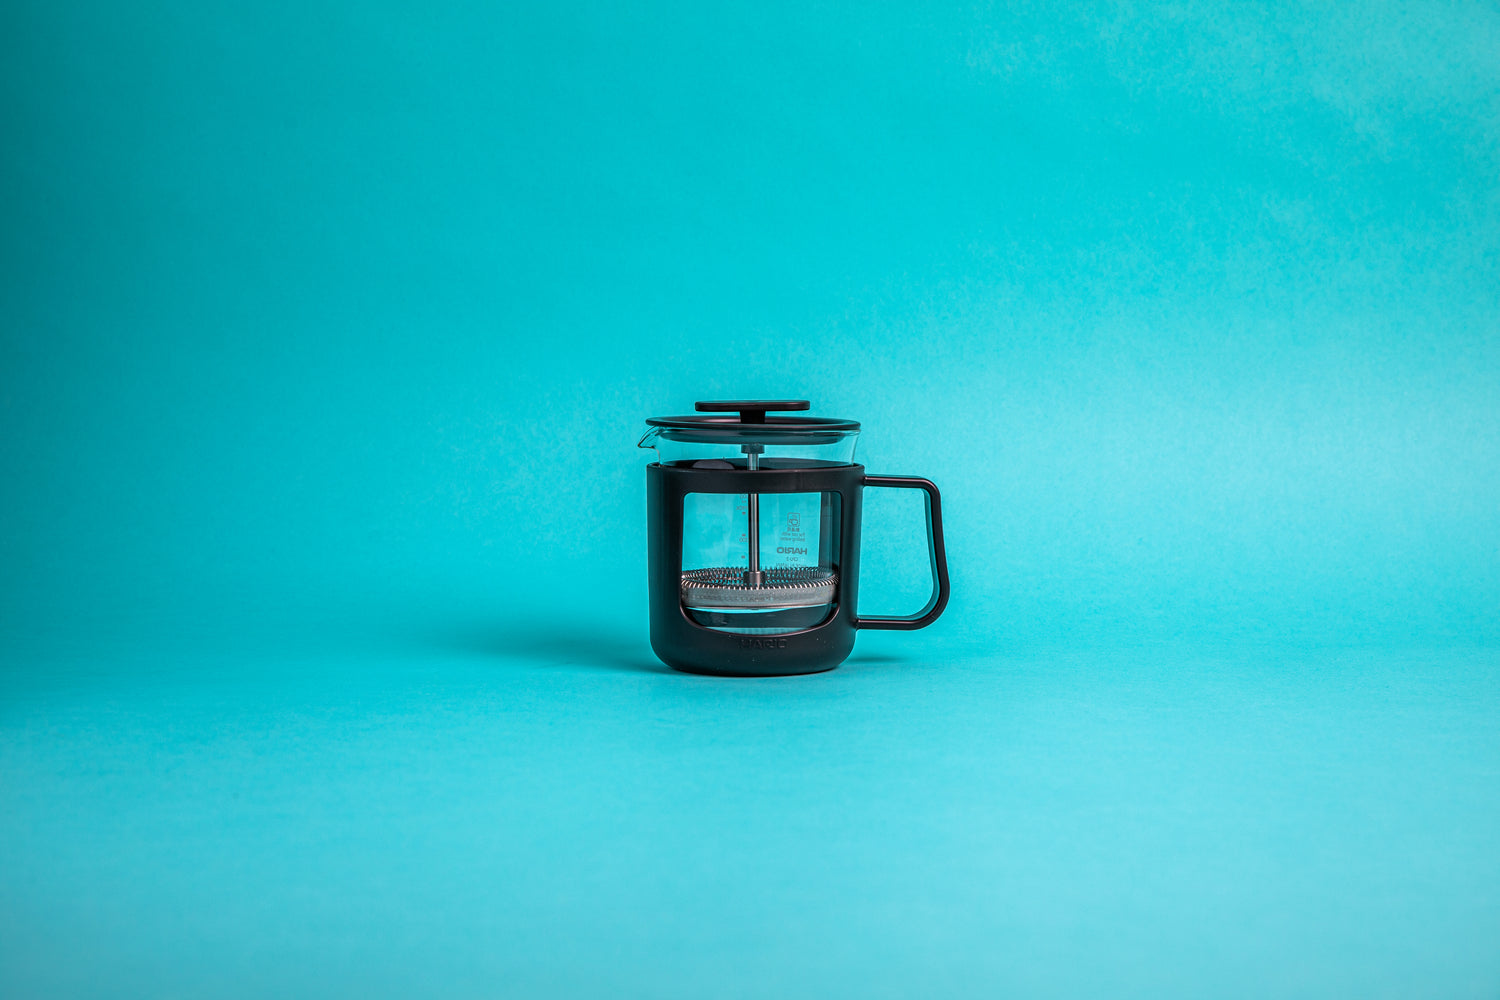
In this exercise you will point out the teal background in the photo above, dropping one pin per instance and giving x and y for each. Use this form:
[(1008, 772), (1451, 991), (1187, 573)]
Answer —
[(328, 331)]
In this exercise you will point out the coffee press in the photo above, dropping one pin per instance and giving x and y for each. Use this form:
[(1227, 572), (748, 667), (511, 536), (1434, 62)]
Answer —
[(753, 540)]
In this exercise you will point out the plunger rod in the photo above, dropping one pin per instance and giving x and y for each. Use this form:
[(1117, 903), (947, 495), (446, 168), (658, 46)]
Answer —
[(754, 577)]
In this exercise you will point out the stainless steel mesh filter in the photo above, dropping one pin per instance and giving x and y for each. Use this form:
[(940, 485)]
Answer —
[(782, 587)]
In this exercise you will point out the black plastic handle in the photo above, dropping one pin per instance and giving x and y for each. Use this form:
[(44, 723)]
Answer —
[(751, 411), (935, 550)]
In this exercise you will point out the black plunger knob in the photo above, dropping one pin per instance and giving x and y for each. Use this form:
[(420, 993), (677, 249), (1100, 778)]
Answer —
[(751, 411)]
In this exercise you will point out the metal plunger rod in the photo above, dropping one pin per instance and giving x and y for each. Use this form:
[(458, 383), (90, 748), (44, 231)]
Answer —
[(754, 577)]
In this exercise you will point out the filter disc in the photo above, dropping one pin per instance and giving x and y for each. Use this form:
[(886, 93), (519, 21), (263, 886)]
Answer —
[(784, 587)]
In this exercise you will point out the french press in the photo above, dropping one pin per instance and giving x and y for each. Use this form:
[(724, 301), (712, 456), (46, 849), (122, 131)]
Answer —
[(754, 540)]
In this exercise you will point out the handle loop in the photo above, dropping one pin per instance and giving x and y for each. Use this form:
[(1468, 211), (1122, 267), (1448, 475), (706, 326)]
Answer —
[(935, 551)]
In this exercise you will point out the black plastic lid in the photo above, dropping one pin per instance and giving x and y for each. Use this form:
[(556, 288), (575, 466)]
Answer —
[(752, 424)]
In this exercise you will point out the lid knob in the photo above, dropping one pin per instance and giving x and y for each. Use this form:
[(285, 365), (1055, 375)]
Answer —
[(751, 411)]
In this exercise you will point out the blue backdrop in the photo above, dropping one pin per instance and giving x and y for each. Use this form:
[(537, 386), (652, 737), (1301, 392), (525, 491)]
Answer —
[(328, 332)]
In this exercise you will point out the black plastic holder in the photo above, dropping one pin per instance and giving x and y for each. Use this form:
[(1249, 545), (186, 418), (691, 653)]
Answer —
[(685, 645)]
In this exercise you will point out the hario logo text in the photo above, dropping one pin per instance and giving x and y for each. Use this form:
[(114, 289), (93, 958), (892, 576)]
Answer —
[(762, 643), (787, 550)]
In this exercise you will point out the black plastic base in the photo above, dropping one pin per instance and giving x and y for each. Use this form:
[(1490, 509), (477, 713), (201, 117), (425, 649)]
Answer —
[(743, 673), (684, 645)]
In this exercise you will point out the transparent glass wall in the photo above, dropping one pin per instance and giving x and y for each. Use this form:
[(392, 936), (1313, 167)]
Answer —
[(787, 582)]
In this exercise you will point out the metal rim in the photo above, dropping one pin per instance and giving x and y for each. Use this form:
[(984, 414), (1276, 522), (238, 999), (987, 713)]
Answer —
[(785, 587)]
